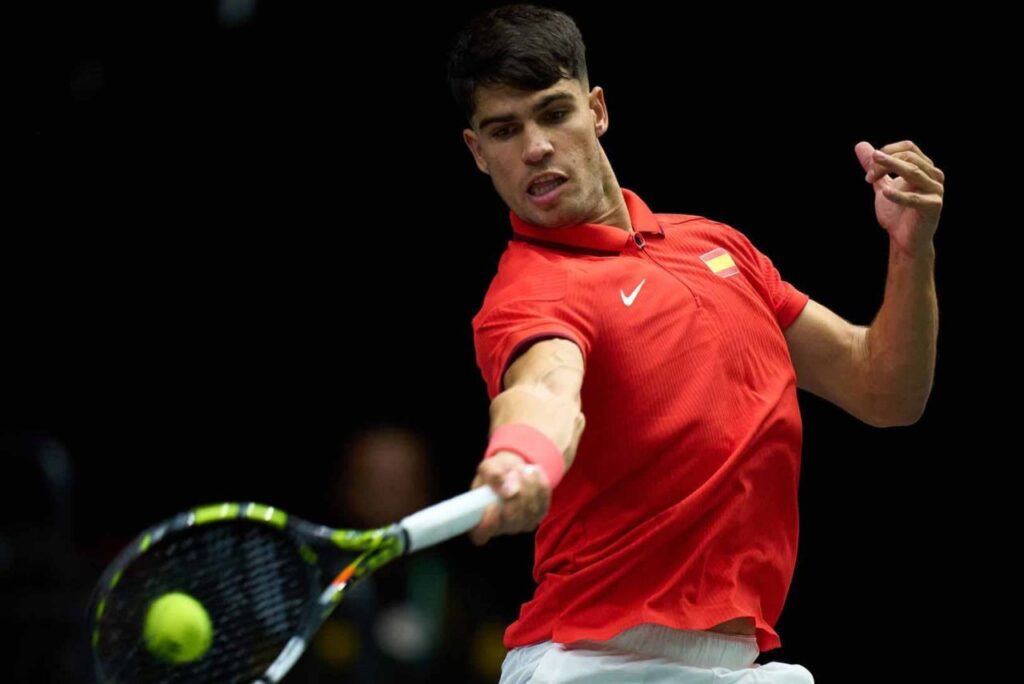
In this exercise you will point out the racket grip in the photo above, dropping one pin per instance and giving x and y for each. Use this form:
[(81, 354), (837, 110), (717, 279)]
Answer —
[(447, 519)]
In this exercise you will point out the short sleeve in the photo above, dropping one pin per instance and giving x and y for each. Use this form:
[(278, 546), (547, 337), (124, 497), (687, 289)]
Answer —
[(503, 331), (785, 300)]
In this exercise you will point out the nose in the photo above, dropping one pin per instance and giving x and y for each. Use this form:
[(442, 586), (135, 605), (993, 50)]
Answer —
[(537, 145)]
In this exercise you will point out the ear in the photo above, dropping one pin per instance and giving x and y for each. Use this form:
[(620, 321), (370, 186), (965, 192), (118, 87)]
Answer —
[(599, 110), (473, 143)]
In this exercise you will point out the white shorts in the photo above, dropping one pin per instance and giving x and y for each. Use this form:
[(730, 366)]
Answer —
[(649, 654)]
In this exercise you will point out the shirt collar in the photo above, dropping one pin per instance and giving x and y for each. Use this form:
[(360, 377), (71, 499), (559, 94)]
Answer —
[(594, 236)]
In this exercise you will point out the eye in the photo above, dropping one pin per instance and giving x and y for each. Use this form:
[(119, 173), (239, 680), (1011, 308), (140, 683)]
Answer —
[(558, 114)]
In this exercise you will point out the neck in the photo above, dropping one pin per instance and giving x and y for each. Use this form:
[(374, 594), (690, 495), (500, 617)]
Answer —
[(613, 210)]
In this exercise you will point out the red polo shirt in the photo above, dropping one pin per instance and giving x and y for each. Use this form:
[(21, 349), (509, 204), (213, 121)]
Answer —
[(681, 506)]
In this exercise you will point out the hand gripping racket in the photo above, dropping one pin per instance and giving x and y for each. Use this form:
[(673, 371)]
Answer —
[(266, 579)]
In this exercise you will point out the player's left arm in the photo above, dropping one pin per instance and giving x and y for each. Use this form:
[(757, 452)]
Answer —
[(882, 374)]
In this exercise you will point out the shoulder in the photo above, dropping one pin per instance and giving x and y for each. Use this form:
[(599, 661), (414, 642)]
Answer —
[(526, 273), (702, 227)]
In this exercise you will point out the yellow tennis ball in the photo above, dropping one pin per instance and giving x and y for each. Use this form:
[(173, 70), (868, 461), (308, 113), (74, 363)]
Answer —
[(177, 628)]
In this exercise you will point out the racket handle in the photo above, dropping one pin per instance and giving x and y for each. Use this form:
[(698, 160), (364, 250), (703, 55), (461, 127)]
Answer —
[(447, 519)]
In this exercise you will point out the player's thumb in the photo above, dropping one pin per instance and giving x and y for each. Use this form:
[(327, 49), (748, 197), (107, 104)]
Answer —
[(863, 151)]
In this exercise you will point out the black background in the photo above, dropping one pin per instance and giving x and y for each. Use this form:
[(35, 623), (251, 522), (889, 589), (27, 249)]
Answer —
[(231, 248)]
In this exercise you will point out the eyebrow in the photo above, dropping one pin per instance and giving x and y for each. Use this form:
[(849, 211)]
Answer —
[(504, 118)]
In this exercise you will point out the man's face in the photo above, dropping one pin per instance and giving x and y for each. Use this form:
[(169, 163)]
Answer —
[(540, 149)]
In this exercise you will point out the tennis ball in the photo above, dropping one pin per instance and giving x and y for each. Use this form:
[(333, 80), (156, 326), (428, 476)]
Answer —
[(177, 628)]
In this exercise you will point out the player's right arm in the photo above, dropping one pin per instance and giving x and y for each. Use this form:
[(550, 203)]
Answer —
[(542, 391)]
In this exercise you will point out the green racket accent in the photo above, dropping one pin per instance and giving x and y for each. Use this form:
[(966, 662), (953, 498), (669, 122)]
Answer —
[(115, 579), (146, 541), (267, 514), (357, 540), (308, 554), (216, 513), (390, 548), (378, 546)]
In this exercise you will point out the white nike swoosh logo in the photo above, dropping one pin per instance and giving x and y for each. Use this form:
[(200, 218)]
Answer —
[(628, 301)]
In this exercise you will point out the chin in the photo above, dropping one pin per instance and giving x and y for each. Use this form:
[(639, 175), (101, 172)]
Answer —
[(549, 220)]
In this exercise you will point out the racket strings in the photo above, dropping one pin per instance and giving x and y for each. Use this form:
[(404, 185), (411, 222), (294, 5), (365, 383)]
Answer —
[(248, 576)]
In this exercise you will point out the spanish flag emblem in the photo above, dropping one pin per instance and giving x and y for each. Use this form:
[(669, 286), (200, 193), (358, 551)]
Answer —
[(720, 262)]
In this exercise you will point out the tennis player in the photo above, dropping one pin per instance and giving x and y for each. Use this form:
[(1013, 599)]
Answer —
[(667, 517)]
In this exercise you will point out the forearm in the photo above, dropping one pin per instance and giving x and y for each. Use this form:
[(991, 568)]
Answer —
[(557, 416), (899, 346), (527, 495), (540, 420)]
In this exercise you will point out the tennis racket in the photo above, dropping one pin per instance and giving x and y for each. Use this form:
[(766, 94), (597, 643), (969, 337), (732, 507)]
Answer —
[(268, 581)]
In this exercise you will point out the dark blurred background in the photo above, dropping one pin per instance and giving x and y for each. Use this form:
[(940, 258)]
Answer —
[(246, 241)]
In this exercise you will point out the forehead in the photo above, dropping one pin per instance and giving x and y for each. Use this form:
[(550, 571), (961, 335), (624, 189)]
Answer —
[(501, 100)]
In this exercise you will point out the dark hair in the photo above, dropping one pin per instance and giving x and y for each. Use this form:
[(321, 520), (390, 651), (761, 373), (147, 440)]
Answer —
[(522, 46)]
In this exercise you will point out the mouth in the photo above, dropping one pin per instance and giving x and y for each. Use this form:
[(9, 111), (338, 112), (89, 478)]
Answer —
[(544, 191), (545, 185)]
